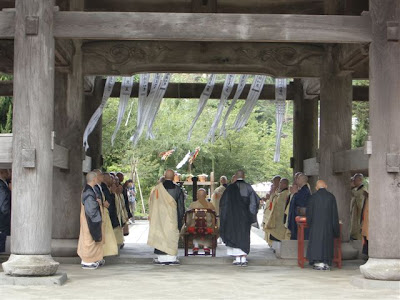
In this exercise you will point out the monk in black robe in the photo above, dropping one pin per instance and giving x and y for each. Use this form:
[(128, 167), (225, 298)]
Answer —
[(238, 211), (323, 220)]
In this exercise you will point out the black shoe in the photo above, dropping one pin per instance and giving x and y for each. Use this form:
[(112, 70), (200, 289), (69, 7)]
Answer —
[(92, 266), (101, 262), (237, 263), (122, 246), (244, 264)]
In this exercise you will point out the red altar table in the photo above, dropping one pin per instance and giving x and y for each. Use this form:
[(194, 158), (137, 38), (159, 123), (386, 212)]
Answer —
[(301, 225)]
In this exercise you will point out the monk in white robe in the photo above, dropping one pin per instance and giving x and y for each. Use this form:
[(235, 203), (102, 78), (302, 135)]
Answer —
[(90, 244), (166, 212), (275, 224)]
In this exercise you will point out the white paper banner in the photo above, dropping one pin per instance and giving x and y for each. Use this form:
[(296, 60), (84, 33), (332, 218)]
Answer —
[(125, 94), (183, 161), (251, 101), (239, 90), (280, 96), (145, 108), (99, 111), (226, 91), (155, 106), (205, 95)]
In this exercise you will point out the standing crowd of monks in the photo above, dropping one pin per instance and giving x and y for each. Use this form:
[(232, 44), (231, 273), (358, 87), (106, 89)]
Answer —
[(105, 215)]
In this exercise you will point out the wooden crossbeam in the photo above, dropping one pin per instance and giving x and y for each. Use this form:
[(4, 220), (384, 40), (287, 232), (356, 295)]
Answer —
[(204, 27), (354, 160), (194, 90)]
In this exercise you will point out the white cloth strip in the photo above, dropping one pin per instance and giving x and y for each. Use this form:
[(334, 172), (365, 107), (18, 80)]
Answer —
[(129, 115), (99, 111), (126, 90), (251, 101), (226, 91), (156, 104), (280, 102), (239, 90), (205, 95), (142, 95), (155, 85), (183, 161)]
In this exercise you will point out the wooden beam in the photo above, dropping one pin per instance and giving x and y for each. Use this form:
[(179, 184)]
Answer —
[(354, 160), (213, 27), (193, 90), (126, 58), (311, 166), (61, 157), (204, 27)]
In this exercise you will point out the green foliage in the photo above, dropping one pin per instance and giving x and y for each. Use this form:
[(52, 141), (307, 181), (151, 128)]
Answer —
[(361, 115), (5, 110), (251, 149)]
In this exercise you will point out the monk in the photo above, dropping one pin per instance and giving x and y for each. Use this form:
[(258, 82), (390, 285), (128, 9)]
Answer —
[(298, 206), (238, 211), (216, 196), (201, 203), (275, 224), (109, 242), (166, 212), (90, 244), (357, 202), (323, 220), (273, 194), (293, 191)]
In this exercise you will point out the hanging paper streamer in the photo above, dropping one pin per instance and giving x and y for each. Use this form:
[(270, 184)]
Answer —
[(239, 90), (226, 91), (205, 95), (183, 161), (129, 115), (251, 101), (146, 108), (143, 86), (99, 111), (126, 90), (280, 96), (155, 106)]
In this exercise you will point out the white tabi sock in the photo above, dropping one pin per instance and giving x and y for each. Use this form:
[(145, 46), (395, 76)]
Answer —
[(238, 259), (243, 259)]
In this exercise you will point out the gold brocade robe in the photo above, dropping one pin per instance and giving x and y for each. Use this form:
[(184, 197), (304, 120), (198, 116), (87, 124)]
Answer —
[(357, 202), (122, 218), (267, 214), (275, 224), (216, 198), (110, 247)]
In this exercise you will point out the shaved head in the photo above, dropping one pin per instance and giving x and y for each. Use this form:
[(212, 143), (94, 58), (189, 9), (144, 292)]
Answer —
[(240, 174), (169, 174), (321, 185), (91, 177), (283, 184), (201, 194), (233, 179), (358, 179), (276, 180), (302, 180), (223, 180)]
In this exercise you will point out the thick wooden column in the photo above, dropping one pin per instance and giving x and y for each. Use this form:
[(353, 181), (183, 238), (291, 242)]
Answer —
[(384, 163), (305, 128), (32, 140), (91, 103), (335, 132), (67, 184)]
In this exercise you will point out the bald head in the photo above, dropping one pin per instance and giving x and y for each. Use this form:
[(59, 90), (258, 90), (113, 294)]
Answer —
[(233, 179), (276, 180), (223, 180), (91, 178), (321, 185), (358, 179), (283, 184), (239, 174), (169, 174), (201, 194), (5, 174), (302, 180)]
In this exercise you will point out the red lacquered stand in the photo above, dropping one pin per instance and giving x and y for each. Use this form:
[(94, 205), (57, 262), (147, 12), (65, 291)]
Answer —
[(301, 259)]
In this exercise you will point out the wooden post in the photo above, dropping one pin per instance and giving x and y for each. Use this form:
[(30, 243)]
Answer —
[(32, 168), (335, 132), (91, 103), (384, 163), (305, 128)]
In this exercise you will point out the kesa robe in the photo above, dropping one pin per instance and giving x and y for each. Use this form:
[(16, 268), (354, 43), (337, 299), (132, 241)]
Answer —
[(163, 218), (90, 245), (267, 214), (121, 216), (110, 247), (238, 211), (356, 205), (275, 224), (323, 220), (299, 202)]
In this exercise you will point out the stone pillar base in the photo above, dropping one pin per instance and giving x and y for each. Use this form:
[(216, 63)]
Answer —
[(381, 269), (30, 265)]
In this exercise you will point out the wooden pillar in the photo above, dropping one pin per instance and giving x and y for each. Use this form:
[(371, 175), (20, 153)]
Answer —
[(335, 132), (32, 140), (67, 184), (305, 128), (91, 103), (384, 163)]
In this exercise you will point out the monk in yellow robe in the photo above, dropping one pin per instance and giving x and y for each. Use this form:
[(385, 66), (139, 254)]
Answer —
[(357, 202), (90, 243), (216, 196), (268, 206), (275, 223)]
